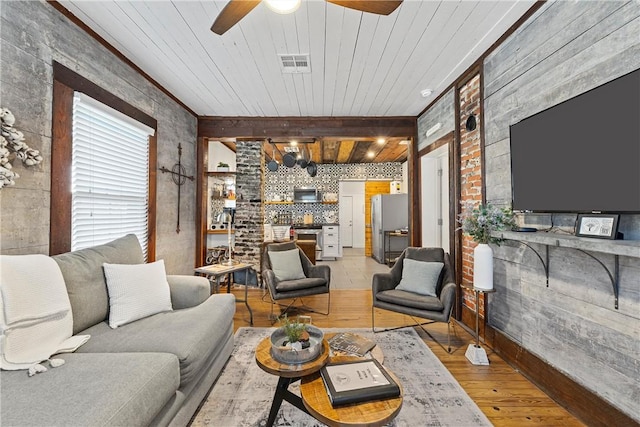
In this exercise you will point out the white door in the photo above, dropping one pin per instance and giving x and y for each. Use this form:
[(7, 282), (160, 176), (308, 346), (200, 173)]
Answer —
[(351, 214), (346, 221), (434, 173)]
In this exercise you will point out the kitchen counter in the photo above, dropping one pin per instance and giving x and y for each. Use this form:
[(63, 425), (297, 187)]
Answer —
[(311, 226)]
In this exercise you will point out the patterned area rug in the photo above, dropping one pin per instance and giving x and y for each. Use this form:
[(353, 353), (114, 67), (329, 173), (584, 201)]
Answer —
[(432, 397)]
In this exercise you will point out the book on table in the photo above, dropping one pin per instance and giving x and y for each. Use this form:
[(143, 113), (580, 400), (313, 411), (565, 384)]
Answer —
[(351, 343), (358, 381)]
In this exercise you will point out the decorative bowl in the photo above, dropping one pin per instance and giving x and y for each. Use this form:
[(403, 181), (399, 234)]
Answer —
[(290, 356)]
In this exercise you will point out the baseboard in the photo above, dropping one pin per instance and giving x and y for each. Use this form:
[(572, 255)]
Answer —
[(575, 398)]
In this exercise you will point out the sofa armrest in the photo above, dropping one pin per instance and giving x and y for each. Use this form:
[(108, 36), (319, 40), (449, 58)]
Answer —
[(382, 282), (188, 291)]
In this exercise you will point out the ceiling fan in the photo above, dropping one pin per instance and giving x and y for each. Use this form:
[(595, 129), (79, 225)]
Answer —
[(235, 10)]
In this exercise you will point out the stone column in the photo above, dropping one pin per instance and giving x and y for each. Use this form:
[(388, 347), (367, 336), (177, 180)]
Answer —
[(249, 216)]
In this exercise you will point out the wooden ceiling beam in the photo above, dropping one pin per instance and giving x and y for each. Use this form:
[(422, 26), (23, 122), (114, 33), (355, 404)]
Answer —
[(300, 127)]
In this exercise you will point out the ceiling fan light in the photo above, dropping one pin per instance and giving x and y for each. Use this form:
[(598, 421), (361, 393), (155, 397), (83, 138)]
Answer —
[(283, 6)]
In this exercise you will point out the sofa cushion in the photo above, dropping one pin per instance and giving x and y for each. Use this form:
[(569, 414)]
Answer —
[(84, 277), (187, 333), (91, 390), (409, 299), (136, 291)]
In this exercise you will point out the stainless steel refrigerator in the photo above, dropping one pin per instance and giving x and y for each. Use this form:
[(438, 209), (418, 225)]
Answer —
[(389, 212)]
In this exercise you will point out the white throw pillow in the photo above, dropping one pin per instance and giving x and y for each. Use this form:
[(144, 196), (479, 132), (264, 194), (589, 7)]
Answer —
[(136, 291), (420, 277), (286, 265), (35, 312)]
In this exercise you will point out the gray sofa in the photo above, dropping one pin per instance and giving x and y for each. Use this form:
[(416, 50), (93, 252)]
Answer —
[(153, 371)]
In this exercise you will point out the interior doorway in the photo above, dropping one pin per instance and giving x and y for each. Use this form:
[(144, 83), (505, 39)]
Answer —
[(434, 195), (351, 214)]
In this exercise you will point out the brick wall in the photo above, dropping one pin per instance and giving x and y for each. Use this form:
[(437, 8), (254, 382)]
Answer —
[(249, 208), (470, 176)]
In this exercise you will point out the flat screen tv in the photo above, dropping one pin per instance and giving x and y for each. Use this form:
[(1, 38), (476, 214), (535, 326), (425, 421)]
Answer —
[(582, 155)]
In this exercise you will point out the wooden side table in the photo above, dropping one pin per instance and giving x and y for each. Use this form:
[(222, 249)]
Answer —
[(215, 272)]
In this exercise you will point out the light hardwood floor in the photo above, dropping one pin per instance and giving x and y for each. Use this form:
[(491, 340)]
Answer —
[(504, 395)]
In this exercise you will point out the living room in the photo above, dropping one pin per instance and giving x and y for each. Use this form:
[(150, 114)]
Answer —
[(568, 338)]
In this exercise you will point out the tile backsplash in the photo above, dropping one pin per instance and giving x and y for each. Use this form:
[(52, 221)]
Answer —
[(282, 182)]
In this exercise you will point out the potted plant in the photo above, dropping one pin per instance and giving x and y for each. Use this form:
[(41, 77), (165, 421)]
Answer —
[(223, 167), (480, 222), (296, 342), (296, 332)]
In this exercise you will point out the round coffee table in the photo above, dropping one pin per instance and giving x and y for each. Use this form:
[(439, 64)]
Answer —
[(287, 374), (373, 413)]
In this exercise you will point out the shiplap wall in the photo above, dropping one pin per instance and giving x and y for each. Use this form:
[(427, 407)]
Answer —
[(564, 49), (33, 35)]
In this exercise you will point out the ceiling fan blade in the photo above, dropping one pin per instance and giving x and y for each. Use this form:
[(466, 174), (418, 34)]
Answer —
[(233, 12), (380, 7)]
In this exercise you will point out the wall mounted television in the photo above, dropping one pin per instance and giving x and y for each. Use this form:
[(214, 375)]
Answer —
[(582, 155)]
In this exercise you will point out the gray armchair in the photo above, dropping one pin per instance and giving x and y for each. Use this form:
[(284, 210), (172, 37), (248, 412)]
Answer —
[(434, 308), (316, 281)]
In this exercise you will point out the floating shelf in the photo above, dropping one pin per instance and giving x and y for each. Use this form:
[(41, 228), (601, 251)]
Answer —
[(300, 203), (630, 248), (221, 231), (214, 173)]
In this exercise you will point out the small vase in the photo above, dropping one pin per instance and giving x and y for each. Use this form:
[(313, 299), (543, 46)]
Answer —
[(483, 267)]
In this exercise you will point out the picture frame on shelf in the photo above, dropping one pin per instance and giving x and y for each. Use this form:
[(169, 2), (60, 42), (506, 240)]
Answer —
[(601, 226)]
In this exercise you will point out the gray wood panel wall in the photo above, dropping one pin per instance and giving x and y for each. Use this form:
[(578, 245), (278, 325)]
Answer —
[(565, 49), (33, 34), (443, 112)]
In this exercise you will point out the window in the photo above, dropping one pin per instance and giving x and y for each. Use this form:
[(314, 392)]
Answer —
[(109, 175)]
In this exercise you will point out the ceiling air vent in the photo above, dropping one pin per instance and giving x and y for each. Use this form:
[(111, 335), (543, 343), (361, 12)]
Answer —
[(295, 63)]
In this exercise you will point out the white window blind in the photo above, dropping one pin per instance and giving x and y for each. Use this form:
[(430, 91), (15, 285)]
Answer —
[(110, 175)]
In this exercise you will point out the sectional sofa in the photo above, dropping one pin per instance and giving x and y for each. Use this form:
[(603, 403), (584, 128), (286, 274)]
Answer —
[(151, 371)]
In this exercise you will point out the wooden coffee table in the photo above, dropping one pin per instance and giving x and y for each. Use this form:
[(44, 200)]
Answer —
[(288, 374), (315, 400), (371, 414)]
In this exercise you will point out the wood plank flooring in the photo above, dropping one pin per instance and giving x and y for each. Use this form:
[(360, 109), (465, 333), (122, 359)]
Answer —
[(505, 396)]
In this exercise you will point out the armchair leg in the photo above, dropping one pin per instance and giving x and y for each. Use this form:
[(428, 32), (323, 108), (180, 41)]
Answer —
[(417, 323), (303, 307)]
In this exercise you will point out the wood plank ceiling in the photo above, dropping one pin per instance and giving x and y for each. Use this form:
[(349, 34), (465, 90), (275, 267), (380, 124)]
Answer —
[(361, 64), (333, 150)]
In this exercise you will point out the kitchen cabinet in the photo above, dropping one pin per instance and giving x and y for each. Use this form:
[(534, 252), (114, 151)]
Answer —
[(331, 247)]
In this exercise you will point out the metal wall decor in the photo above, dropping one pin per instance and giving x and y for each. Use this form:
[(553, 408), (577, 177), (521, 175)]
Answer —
[(179, 177)]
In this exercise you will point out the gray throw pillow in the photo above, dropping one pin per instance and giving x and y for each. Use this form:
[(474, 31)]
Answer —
[(286, 265), (420, 277)]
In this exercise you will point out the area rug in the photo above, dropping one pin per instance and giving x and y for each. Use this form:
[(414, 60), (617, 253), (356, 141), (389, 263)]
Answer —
[(432, 397)]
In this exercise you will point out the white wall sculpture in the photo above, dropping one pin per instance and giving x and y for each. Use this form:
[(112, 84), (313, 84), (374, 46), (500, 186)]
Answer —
[(12, 140)]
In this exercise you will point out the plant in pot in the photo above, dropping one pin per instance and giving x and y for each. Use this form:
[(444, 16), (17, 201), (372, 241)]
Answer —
[(480, 222), (223, 167), (296, 332), (296, 342)]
